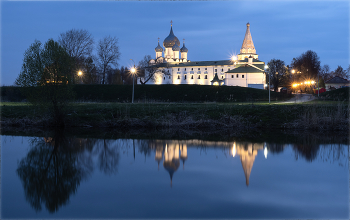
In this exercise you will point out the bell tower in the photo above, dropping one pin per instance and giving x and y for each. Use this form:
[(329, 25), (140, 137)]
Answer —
[(248, 48)]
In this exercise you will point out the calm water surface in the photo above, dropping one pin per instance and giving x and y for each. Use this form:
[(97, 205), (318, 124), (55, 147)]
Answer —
[(70, 177)]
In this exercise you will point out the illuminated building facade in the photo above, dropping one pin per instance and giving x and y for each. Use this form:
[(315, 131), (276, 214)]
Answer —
[(243, 70)]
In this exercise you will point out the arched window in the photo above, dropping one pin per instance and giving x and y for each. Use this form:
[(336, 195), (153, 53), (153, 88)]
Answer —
[(231, 76), (185, 76), (206, 77), (178, 77), (192, 77), (237, 76), (242, 76)]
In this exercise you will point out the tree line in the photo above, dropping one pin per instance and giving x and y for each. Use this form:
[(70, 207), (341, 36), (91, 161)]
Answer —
[(306, 67)]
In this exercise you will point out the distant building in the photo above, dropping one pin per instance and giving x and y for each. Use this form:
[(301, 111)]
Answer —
[(336, 83), (243, 70)]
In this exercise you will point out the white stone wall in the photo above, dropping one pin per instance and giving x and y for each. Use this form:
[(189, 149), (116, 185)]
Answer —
[(236, 79), (197, 74), (168, 53)]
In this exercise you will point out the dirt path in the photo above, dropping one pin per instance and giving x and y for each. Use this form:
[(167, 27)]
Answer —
[(298, 98)]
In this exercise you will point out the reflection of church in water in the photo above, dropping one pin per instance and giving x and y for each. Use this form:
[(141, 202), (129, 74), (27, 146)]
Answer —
[(174, 151)]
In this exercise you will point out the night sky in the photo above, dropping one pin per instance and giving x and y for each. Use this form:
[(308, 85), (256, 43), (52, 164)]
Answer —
[(212, 30)]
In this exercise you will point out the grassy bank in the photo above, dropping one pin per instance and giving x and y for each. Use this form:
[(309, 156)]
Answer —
[(188, 116), (159, 93)]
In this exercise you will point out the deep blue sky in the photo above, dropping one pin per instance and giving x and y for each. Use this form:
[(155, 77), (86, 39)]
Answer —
[(213, 30)]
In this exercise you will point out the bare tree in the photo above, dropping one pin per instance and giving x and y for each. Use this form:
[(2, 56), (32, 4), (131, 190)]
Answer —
[(325, 72), (340, 72), (278, 73), (107, 55), (148, 70), (79, 45)]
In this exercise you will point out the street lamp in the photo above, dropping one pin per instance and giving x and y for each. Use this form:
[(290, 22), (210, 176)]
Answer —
[(80, 73), (266, 67), (133, 71)]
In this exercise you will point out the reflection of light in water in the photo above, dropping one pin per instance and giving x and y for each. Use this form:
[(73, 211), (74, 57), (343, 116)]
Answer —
[(233, 150), (265, 152)]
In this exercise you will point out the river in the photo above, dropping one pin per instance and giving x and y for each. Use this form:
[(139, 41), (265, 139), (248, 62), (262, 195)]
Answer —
[(174, 174)]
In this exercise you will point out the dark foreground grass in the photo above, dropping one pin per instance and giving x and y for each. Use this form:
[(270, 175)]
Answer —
[(157, 93), (184, 115)]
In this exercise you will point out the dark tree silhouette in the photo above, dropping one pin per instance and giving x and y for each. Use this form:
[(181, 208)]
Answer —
[(50, 173)]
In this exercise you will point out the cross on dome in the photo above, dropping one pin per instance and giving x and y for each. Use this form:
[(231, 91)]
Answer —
[(171, 22)]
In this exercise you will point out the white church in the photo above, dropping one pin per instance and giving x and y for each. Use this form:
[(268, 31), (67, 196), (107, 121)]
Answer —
[(243, 70)]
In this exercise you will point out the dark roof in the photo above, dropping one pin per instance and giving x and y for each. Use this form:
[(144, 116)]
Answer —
[(184, 49), (245, 69), (246, 60), (337, 79), (171, 40), (213, 63), (216, 78)]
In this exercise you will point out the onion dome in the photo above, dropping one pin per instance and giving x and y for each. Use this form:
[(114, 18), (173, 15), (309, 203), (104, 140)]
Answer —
[(159, 48), (175, 48), (171, 40), (184, 49)]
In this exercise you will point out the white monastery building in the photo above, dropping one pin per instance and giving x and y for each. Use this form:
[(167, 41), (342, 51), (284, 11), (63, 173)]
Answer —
[(243, 70)]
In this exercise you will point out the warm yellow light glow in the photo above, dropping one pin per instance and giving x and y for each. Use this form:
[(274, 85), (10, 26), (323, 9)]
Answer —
[(301, 83), (133, 70), (312, 82), (295, 85), (293, 71), (266, 67), (233, 151), (265, 152), (215, 83), (80, 73), (234, 58)]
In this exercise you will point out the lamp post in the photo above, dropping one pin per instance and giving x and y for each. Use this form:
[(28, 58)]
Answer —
[(80, 73), (266, 67), (133, 70), (318, 87)]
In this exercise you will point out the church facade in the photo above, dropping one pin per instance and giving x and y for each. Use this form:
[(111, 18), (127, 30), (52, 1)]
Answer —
[(174, 67)]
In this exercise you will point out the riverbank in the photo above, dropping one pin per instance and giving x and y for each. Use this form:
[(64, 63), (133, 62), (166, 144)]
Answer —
[(200, 116)]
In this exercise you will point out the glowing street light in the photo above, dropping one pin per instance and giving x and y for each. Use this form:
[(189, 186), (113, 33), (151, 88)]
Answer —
[(80, 73), (266, 67), (133, 71)]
